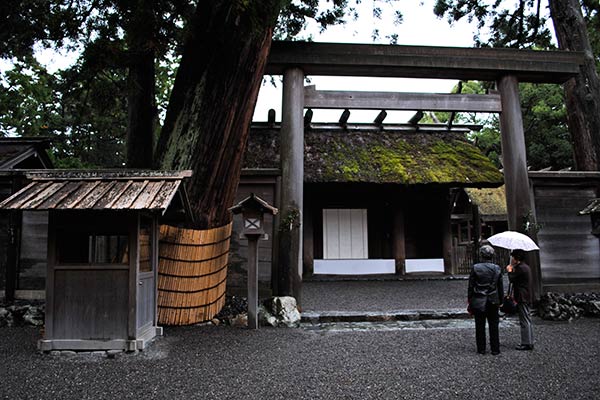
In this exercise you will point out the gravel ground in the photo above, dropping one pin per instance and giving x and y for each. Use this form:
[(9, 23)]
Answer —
[(384, 295), (219, 362)]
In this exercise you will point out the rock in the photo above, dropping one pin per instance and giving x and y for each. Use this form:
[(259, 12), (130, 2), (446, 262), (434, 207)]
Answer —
[(592, 309), (4, 314), (284, 310), (113, 353), (215, 321), (34, 316), (265, 318), (239, 321), (569, 306)]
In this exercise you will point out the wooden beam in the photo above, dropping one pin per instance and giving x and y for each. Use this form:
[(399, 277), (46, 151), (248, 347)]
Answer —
[(484, 64), (332, 99), (308, 115), (344, 117), (414, 120), (380, 117), (271, 117)]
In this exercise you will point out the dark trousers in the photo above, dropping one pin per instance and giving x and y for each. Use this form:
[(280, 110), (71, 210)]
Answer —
[(491, 315)]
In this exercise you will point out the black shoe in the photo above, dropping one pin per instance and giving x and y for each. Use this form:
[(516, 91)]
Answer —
[(495, 353), (481, 352), (524, 347)]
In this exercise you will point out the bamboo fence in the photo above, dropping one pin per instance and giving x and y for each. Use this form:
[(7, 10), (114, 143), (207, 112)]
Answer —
[(192, 274)]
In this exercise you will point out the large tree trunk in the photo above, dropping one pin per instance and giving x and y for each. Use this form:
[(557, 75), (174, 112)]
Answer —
[(141, 82), (583, 92), (213, 99)]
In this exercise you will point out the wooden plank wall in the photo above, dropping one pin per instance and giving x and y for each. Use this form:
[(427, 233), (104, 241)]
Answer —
[(91, 304), (34, 249), (5, 191), (569, 252)]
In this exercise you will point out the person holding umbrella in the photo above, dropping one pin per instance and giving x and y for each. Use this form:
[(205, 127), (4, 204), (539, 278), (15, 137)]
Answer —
[(519, 275)]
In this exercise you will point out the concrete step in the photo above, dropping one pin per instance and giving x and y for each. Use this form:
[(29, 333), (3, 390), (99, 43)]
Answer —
[(317, 317)]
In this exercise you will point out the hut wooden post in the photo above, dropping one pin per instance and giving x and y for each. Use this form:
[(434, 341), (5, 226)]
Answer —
[(292, 191), (518, 199)]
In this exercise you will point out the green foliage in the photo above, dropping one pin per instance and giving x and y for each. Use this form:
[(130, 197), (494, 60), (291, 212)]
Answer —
[(546, 131), (544, 122), (83, 111), (517, 24)]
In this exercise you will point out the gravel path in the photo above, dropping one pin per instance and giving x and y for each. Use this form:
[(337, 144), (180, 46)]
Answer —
[(207, 362), (384, 295)]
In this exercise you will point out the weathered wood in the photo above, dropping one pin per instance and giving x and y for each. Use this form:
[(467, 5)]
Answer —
[(513, 154), (113, 194), (292, 193), (252, 281), (485, 64), (402, 101), (398, 245), (95, 195), (129, 195)]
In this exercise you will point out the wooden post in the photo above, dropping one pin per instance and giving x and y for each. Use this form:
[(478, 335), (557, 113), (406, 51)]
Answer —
[(252, 280), (13, 254), (476, 231), (447, 235), (292, 190), (308, 242), (398, 244), (514, 160)]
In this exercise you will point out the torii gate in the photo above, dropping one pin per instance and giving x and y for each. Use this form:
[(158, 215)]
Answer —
[(506, 67)]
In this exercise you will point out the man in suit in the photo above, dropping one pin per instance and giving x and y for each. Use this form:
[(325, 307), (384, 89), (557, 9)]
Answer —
[(519, 274)]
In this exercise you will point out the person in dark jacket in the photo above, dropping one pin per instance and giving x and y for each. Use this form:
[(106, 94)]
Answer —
[(485, 294), (519, 274)]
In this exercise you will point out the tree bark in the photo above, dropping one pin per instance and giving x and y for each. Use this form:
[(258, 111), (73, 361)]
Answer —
[(583, 92), (141, 83), (213, 100)]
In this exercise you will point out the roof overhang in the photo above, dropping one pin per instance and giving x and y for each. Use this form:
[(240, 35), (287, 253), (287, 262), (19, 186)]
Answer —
[(96, 190)]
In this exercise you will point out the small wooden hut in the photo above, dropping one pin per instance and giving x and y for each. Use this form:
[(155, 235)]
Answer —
[(102, 253)]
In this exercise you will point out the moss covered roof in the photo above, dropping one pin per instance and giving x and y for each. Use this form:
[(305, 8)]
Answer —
[(380, 157), (491, 201)]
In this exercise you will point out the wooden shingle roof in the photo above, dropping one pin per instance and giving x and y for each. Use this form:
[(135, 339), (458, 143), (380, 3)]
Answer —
[(97, 190)]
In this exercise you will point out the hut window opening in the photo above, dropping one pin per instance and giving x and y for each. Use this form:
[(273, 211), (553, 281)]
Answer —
[(93, 249)]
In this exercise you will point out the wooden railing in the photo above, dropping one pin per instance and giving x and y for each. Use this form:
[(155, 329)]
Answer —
[(462, 258)]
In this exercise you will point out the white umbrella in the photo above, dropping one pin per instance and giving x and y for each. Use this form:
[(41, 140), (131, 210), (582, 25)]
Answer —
[(513, 240)]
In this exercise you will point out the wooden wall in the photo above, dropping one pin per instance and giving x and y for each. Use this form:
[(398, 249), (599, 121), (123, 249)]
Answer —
[(34, 249), (569, 253)]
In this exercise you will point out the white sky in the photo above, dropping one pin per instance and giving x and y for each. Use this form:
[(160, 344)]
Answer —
[(419, 27)]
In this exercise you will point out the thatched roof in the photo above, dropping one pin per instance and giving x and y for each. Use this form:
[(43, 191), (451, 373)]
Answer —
[(491, 201), (380, 156)]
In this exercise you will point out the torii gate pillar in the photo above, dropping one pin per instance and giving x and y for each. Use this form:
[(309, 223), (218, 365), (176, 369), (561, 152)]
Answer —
[(289, 269), (514, 160)]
